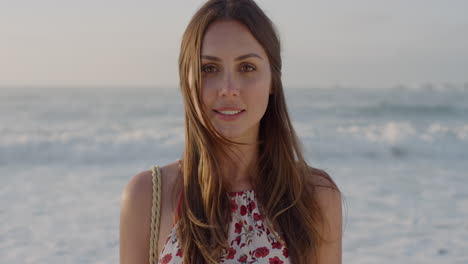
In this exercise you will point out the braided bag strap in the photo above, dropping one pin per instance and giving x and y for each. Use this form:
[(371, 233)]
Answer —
[(155, 213)]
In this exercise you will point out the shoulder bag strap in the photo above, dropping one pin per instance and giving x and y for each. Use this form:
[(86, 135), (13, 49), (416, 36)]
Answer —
[(155, 214)]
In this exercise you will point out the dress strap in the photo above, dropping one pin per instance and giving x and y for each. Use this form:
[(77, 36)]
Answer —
[(181, 196), (179, 205), (155, 213)]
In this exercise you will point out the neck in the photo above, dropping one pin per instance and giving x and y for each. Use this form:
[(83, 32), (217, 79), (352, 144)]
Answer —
[(244, 158)]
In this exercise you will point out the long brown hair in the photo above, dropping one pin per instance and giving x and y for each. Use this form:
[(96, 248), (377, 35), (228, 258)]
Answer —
[(280, 169)]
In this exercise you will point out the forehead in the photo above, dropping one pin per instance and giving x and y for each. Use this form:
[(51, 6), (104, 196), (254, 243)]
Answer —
[(229, 38)]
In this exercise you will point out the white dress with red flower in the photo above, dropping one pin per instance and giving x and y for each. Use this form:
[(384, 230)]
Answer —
[(251, 238)]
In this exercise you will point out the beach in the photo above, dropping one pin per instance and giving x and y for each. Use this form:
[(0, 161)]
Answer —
[(399, 156)]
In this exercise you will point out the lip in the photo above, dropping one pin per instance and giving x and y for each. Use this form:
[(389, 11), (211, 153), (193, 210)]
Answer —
[(228, 109), (228, 117)]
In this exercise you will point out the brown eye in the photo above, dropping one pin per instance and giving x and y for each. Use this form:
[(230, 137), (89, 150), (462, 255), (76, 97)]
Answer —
[(247, 68), (209, 68)]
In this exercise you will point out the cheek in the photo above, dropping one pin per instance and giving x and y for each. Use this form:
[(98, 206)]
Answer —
[(258, 89), (257, 100), (208, 92)]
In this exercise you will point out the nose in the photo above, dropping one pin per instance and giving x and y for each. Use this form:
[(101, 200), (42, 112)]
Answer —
[(229, 86)]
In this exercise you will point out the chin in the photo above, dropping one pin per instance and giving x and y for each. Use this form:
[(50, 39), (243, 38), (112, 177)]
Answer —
[(231, 134), (229, 131), (243, 135)]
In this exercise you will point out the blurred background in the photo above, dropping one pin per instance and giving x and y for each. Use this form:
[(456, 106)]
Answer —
[(377, 90)]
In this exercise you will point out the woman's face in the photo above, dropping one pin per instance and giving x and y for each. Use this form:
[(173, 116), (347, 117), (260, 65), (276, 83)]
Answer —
[(236, 80)]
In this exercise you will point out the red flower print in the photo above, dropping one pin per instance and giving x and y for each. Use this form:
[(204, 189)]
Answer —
[(237, 240), (276, 245), (243, 210), (275, 260), (238, 227), (233, 206), (252, 206), (262, 227), (232, 252), (261, 252), (285, 252), (257, 217), (179, 253), (243, 258), (166, 258), (250, 228)]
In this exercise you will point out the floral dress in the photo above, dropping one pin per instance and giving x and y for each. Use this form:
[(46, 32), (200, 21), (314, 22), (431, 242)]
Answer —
[(250, 237)]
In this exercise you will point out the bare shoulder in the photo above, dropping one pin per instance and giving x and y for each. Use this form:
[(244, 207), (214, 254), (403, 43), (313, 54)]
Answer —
[(135, 213), (330, 201), (139, 189), (325, 189), (320, 178)]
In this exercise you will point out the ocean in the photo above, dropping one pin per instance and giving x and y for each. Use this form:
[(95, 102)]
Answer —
[(399, 156)]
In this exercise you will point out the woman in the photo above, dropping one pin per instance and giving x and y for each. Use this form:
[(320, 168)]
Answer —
[(242, 192)]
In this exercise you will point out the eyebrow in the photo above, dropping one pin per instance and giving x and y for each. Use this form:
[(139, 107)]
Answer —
[(242, 57)]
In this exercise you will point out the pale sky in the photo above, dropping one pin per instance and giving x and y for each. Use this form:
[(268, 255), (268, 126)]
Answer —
[(108, 43)]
